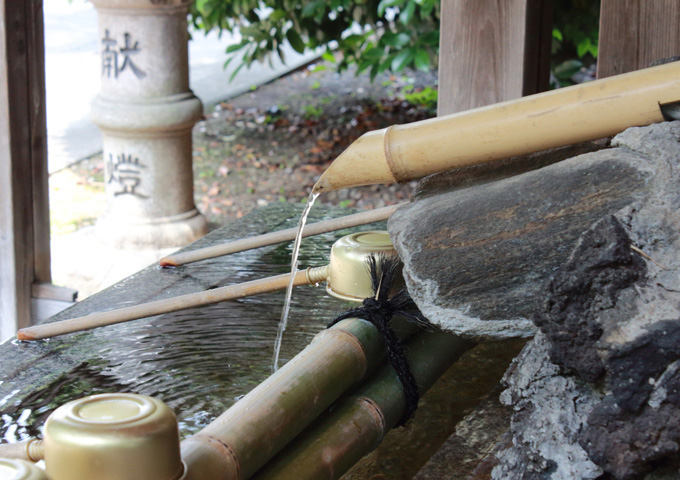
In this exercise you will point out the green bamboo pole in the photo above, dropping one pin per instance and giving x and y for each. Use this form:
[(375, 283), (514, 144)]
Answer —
[(246, 436), (330, 447)]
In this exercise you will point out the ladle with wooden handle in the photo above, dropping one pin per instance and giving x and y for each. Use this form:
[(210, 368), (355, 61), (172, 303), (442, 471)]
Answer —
[(346, 278), (272, 238)]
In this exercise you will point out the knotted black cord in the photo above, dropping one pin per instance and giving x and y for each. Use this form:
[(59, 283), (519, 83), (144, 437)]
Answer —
[(379, 310)]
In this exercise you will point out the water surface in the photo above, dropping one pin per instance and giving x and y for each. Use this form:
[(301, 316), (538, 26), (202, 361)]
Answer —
[(199, 361)]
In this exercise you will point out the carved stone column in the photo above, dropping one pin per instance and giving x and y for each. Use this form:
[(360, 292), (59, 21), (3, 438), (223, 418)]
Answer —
[(146, 112)]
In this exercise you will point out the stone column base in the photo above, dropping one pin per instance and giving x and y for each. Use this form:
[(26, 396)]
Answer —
[(174, 231)]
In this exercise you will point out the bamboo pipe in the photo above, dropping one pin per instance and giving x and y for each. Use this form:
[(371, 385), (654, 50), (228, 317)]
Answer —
[(330, 447), (310, 276), (248, 434), (281, 236), (530, 124)]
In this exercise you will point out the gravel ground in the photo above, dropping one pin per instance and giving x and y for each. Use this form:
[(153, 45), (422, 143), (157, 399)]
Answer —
[(272, 144)]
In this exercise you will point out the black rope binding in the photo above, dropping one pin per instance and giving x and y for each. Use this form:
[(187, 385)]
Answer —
[(379, 310)]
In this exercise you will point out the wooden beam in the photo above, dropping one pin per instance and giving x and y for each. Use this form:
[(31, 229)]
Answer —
[(35, 38), (633, 34), (24, 223), (491, 51), (49, 291)]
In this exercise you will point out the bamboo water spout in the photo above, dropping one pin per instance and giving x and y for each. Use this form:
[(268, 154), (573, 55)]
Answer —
[(530, 124)]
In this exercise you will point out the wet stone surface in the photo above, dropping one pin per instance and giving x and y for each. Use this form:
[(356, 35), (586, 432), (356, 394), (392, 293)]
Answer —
[(476, 256)]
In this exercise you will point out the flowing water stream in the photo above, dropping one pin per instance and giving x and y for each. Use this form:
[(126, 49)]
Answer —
[(289, 290)]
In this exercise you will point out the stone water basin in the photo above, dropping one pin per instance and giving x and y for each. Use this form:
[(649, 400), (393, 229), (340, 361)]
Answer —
[(201, 361)]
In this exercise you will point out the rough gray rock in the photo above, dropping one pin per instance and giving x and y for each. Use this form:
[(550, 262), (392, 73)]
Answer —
[(601, 380), (601, 266), (476, 256), (549, 412)]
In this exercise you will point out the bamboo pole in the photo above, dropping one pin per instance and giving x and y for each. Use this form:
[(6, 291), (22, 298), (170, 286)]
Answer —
[(281, 236), (243, 438), (529, 124), (330, 447), (309, 276)]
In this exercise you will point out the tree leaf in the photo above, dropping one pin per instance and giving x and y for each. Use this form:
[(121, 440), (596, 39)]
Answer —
[(422, 60), (295, 40), (234, 47), (397, 40), (282, 55), (226, 64), (431, 38), (557, 35), (384, 4), (231, 78), (374, 71), (372, 53), (586, 47), (328, 56), (310, 9), (426, 10), (352, 40), (406, 15), (277, 15), (363, 65), (402, 59)]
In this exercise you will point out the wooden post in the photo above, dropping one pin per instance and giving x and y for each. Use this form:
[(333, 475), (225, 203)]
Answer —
[(635, 33), (492, 51), (24, 208)]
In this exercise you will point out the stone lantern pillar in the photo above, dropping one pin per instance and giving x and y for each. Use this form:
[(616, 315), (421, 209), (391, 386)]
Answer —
[(146, 111)]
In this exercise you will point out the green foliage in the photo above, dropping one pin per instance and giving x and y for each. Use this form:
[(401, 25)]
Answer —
[(375, 35), (565, 70), (575, 37), (576, 29), (426, 97), (312, 112)]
